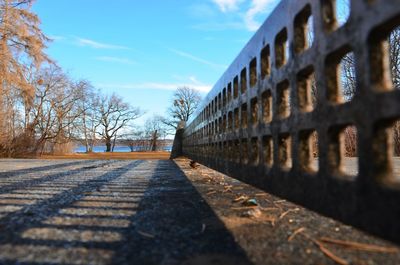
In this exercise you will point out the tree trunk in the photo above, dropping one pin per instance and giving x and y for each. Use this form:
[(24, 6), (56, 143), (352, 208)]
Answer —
[(108, 145), (113, 144), (154, 141)]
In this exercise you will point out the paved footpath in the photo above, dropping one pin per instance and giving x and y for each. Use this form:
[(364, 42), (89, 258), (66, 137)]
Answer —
[(162, 212)]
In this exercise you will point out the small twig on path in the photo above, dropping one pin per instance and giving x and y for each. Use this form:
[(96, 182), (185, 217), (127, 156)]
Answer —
[(359, 246), (301, 229), (326, 251), (330, 254)]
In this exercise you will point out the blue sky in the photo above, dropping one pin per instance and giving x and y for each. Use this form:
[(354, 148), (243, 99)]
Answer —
[(143, 50)]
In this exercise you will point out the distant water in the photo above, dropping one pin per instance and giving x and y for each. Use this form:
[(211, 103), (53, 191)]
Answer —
[(119, 149)]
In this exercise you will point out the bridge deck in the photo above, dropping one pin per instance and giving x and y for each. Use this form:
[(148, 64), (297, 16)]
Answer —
[(158, 212)]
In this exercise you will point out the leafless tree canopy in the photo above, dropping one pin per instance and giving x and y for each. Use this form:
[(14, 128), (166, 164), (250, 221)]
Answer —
[(115, 114), (21, 45), (184, 104)]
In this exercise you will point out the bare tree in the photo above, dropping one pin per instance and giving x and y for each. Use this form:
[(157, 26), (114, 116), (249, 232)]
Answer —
[(115, 115), (155, 130), (89, 120), (184, 103), (54, 110), (21, 46)]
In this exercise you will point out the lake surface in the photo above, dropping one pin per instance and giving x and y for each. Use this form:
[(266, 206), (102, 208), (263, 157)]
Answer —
[(120, 149)]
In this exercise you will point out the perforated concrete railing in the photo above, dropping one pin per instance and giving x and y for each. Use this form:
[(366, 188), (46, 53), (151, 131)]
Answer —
[(261, 120)]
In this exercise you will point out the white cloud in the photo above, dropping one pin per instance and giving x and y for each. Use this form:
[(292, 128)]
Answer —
[(227, 5), (115, 60), (99, 45), (197, 59), (258, 7), (56, 37), (155, 85), (244, 11)]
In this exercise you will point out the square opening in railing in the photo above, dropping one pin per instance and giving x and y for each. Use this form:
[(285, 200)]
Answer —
[(281, 48), (384, 50), (335, 13), (308, 151), (266, 106), (235, 87), (268, 150), (306, 89), (254, 156), (230, 121), (224, 97), (254, 111), (243, 81), (253, 72), (303, 30), (229, 92), (386, 149), (348, 81), (224, 124), (285, 151), (265, 62), (350, 162), (236, 118), (283, 99), (243, 115), (244, 151), (342, 151), (340, 74)]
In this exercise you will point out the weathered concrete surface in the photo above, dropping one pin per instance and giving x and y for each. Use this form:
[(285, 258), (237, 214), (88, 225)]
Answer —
[(156, 212)]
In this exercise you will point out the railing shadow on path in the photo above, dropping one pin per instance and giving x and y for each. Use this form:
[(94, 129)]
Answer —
[(182, 227), (26, 182), (140, 212), (7, 174)]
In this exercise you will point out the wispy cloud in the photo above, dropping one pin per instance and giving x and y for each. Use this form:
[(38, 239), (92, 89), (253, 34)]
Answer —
[(227, 5), (111, 59), (245, 13), (155, 85), (198, 59), (56, 37), (258, 7), (98, 45)]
